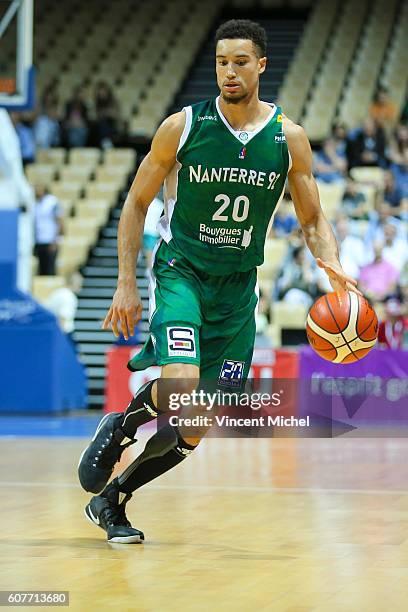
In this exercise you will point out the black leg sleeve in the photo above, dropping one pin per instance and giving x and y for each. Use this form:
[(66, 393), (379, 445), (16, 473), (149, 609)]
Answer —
[(163, 451), (141, 410)]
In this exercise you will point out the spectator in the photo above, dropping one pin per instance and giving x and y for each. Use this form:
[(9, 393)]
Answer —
[(63, 302), (378, 218), (354, 202), (340, 140), (150, 233), (399, 146), (262, 321), (392, 194), (47, 129), (50, 97), (383, 110), (402, 293), (404, 281), (394, 249), (352, 252), (297, 283), (76, 122), (48, 229), (367, 148), (107, 114), (392, 332), (399, 166), (24, 127), (379, 279), (329, 166)]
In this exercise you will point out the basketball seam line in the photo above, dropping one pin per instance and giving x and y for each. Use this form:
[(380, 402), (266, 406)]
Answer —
[(332, 347), (365, 329), (345, 343), (348, 321)]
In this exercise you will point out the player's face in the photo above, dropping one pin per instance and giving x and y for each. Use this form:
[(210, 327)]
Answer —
[(238, 69)]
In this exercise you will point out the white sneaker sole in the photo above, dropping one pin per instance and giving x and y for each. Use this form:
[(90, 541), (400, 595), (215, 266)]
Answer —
[(129, 540)]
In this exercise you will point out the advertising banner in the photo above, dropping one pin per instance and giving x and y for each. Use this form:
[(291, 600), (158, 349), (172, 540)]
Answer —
[(364, 395)]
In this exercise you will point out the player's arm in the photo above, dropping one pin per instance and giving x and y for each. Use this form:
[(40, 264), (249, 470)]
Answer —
[(126, 305), (316, 229)]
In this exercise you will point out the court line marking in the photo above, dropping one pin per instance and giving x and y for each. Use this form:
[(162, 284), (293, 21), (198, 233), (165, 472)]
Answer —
[(235, 488)]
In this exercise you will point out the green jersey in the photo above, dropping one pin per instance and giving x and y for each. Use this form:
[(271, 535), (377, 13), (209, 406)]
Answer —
[(222, 193)]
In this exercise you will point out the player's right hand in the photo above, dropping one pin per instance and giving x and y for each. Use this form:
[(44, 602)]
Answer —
[(126, 310)]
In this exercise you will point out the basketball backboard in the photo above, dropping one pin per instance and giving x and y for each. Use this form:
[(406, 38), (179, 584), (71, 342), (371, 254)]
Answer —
[(16, 54)]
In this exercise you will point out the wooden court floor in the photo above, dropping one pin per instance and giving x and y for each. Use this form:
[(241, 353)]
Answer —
[(283, 525)]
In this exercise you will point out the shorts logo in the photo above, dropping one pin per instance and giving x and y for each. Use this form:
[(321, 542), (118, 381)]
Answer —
[(183, 451), (231, 373), (150, 410), (180, 342)]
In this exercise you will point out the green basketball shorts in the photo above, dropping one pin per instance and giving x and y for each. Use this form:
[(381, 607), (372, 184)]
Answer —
[(201, 319)]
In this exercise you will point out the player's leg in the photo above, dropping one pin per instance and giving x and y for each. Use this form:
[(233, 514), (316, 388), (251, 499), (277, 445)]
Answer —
[(169, 445), (173, 300), (115, 432), (163, 451), (174, 344)]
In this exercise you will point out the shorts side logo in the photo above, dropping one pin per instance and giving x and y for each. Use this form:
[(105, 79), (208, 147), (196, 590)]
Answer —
[(231, 373), (180, 342)]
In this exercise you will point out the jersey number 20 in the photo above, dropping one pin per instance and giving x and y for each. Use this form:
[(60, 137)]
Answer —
[(240, 208)]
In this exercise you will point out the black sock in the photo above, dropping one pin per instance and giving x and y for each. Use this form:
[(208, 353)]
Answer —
[(163, 451), (141, 410)]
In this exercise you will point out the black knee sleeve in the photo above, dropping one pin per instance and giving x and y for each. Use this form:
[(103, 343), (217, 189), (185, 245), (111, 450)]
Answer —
[(164, 450), (141, 410)]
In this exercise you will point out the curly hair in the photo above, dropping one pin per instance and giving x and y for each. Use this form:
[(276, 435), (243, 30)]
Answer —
[(246, 29)]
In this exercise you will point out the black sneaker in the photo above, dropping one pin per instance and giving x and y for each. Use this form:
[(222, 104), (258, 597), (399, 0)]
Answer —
[(107, 510), (98, 459)]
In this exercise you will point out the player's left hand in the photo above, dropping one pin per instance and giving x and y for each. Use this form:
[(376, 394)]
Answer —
[(339, 280)]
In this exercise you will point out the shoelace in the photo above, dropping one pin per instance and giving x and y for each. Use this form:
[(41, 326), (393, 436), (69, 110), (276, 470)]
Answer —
[(116, 515)]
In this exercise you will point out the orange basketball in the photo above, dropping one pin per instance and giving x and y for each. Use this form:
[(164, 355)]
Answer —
[(342, 328)]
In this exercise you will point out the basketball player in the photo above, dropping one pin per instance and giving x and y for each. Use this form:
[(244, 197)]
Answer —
[(224, 163)]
